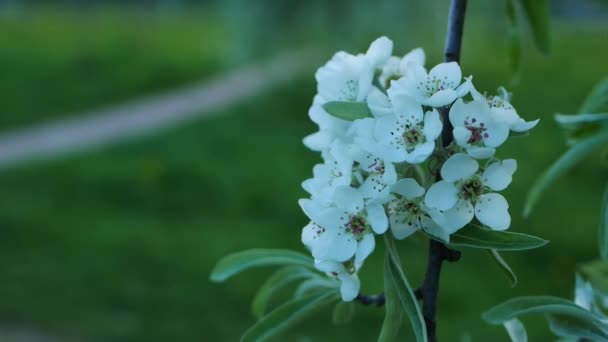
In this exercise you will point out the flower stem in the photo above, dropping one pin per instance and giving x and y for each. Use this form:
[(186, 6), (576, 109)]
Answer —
[(438, 252)]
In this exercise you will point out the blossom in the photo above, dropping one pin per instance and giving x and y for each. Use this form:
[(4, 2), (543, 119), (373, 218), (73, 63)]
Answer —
[(349, 77), (502, 111), (437, 88), (475, 129), (408, 213), (335, 171), (330, 127), (464, 193), (407, 135), (396, 67), (349, 281), (345, 229), (345, 77), (379, 176)]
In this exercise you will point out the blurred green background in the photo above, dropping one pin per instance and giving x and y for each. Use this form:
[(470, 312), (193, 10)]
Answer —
[(117, 243)]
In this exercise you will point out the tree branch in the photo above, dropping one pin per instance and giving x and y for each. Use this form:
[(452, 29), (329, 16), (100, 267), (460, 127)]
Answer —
[(438, 252)]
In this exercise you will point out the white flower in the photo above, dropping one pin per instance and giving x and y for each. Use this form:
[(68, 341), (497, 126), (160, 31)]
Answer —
[(335, 171), (345, 77), (464, 192), (380, 175), (348, 77), (396, 67), (502, 111), (408, 214), (407, 135), (475, 129), (379, 52), (349, 281), (440, 87), (330, 127), (344, 230)]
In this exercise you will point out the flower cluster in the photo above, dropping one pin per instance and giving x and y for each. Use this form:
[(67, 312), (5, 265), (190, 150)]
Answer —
[(390, 170)]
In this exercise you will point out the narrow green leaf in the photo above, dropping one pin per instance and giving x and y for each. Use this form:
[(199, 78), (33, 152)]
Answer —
[(573, 121), (393, 313), (316, 285), (287, 315), (404, 294), (504, 266), (514, 44), (516, 330), (343, 313), (596, 272), (603, 235), (574, 327), (478, 237), (237, 262), (537, 15), (563, 164), (597, 100), (349, 111), (515, 307), (275, 283)]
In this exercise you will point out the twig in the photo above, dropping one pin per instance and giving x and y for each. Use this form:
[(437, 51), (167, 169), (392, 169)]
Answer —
[(438, 252)]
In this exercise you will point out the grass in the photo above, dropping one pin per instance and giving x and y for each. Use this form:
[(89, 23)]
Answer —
[(117, 244)]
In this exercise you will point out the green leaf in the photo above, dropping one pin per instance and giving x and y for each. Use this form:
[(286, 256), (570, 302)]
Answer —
[(515, 307), (393, 314), (574, 121), (275, 283), (514, 44), (237, 262), (596, 272), (287, 315), (581, 125), (316, 285), (504, 266), (403, 293), (516, 330), (563, 164), (574, 327), (343, 313), (536, 13), (478, 237), (348, 111), (603, 235), (597, 100)]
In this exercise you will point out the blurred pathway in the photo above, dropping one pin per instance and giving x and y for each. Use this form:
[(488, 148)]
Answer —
[(147, 115)]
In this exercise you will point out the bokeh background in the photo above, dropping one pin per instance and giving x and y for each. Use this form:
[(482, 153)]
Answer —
[(116, 242)]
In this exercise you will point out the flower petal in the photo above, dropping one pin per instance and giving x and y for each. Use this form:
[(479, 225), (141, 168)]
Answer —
[(459, 216), (432, 125), (364, 249), (347, 198), (448, 72), (379, 103), (441, 98), (459, 166), (524, 126), (433, 229), (415, 56), (349, 288), (408, 188), (379, 51), (420, 153), (400, 227), (493, 211), (405, 107), (479, 152), (500, 174), (462, 136), (441, 196), (377, 218)]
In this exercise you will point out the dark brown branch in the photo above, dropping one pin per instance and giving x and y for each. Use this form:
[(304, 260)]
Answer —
[(438, 252)]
